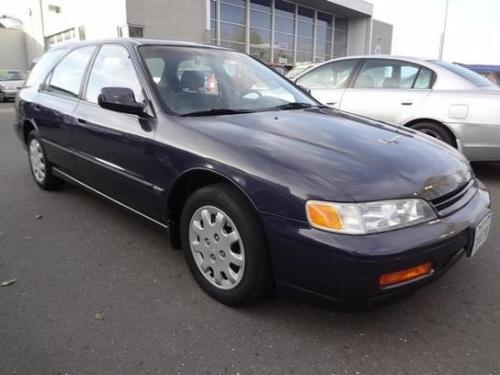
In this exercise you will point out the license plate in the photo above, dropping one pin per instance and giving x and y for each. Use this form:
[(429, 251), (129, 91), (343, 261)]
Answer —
[(481, 234)]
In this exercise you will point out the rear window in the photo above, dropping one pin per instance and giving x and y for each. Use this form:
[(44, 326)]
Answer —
[(42, 67), (474, 78)]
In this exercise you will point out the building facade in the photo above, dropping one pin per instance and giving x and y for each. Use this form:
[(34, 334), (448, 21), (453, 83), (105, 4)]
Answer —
[(286, 32)]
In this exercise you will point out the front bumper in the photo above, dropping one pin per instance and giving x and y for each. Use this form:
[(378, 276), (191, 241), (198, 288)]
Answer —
[(9, 94), (347, 268), (478, 142)]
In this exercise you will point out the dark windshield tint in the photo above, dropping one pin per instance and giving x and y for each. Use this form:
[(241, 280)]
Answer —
[(465, 73), (205, 80), (12, 75)]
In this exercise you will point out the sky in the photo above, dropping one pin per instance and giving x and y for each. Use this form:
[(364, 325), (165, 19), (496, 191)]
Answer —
[(472, 34)]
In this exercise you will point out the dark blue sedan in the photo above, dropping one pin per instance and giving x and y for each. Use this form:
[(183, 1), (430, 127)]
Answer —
[(260, 185)]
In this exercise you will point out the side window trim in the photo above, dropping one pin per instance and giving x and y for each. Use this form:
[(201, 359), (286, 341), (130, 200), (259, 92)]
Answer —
[(44, 87), (355, 73)]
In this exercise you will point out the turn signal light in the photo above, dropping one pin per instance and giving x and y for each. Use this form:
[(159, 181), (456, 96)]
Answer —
[(323, 215), (405, 275)]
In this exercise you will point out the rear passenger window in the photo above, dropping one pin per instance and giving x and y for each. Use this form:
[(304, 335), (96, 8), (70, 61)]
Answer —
[(387, 74), (67, 76), (113, 68)]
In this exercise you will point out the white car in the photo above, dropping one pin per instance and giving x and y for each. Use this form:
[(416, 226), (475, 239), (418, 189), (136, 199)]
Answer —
[(443, 100)]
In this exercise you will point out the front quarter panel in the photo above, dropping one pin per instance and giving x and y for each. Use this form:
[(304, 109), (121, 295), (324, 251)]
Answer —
[(252, 164)]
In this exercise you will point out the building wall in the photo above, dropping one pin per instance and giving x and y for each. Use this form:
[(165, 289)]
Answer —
[(359, 36), (178, 19), (13, 54), (381, 38)]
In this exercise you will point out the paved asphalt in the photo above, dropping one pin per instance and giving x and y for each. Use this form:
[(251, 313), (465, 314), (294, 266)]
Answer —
[(99, 291)]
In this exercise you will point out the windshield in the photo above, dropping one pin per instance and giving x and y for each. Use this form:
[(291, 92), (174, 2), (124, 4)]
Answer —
[(469, 75), (193, 80), (12, 75)]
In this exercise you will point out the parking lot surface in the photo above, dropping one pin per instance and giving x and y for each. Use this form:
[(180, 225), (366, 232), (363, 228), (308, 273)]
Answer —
[(99, 291)]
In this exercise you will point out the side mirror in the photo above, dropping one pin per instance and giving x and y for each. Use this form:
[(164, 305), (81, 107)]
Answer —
[(120, 99)]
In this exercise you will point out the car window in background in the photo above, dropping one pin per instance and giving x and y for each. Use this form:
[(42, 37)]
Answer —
[(42, 67), (424, 79), (203, 79), (298, 70), (388, 74), (113, 68), (467, 74), (12, 75), (67, 76), (334, 75)]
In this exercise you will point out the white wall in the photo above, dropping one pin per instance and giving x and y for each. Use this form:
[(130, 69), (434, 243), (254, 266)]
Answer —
[(179, 19), (359, 36), (13, 46)]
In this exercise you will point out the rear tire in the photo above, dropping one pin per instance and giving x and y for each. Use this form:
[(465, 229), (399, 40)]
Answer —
[(39, 165), (224, 245), (436, 131)]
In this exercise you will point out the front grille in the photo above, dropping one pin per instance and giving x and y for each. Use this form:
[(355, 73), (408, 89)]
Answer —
[(453, 201)]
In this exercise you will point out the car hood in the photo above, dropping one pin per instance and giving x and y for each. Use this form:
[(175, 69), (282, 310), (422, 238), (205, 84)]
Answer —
[(12, 85), (364, 159)]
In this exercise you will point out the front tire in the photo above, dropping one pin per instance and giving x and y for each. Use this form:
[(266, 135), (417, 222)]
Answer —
[(435, 131), (224, 245), (39, 165)]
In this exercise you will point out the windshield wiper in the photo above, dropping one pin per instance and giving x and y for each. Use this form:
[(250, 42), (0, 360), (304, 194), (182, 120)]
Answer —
[(216, 112), (297, 105)]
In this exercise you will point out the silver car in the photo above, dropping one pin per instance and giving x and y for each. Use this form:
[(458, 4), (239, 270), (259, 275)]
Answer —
[(11, 82), (443, 100)]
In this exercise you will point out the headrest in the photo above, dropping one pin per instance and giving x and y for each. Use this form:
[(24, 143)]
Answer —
[(192, 80)]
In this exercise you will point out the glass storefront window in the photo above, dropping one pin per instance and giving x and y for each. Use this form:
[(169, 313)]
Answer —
[(260, 20), (301, 34), (284, 9), (262, 5), (232, 33), (241, 3), (229, 13)]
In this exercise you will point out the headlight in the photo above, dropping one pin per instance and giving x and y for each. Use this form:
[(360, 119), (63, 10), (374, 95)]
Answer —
[(373, 217)]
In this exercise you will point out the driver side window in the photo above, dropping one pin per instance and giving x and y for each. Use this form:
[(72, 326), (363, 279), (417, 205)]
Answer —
[(113, 68), (330, 76)]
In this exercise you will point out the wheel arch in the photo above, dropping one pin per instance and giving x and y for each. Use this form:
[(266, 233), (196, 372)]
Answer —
[(184, 185), (409, 124), (28, 126)]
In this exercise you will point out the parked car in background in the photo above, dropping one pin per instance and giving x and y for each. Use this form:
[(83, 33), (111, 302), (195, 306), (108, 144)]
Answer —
[(492, 72), (298, 69), (11, 81), (443, 100), (280, 68), (259, 183)]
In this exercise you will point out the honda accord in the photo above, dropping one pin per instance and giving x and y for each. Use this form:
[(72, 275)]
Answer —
[(261, 186)]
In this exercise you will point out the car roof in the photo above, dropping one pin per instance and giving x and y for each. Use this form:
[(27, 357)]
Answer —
[(132, 42)]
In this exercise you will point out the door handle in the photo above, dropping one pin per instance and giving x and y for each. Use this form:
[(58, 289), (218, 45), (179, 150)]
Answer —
[(82, 121), (407, 103), (331, 103)]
